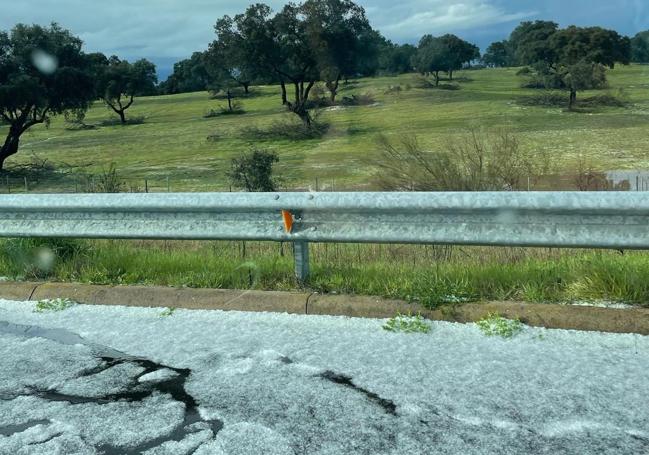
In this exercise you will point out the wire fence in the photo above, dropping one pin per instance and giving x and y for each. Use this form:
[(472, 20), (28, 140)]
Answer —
[(13, 182)]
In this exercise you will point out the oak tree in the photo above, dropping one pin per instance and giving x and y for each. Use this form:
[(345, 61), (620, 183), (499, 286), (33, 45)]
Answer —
[(43, 73)]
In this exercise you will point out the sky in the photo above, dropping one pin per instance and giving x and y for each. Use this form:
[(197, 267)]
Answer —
[(166, 31)]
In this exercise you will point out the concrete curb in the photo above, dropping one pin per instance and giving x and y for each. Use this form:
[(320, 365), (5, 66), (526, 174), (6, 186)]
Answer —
[(633, 320)]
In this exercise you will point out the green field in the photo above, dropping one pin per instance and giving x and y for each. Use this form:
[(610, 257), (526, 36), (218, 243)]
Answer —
[(172, 142)]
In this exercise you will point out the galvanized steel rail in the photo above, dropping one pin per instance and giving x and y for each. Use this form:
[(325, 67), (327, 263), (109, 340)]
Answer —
[(616, 220)]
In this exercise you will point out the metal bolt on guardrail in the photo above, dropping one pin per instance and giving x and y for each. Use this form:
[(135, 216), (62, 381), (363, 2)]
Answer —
[(616, 220)]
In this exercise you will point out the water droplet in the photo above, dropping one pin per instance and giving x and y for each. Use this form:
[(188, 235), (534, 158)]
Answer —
[(45, 259), (44, 62)]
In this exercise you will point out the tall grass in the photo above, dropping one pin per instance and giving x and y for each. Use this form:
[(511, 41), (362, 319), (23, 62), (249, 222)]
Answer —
[(432, 275)]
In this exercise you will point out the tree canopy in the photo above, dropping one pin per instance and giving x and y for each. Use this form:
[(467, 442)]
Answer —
[(395, 58), (499, 55), (640, 47), (573, 58), (43, 72), (339, 37), (299, 45), (446, 53), (189, 75), (119, 82), (530, 42)]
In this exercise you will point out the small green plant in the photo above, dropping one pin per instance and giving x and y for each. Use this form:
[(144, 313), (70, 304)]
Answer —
[(495, 325), (407, 323), (53, 305), (167, 312)]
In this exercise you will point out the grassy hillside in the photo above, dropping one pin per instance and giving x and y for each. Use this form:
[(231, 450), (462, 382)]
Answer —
[(172, 142)]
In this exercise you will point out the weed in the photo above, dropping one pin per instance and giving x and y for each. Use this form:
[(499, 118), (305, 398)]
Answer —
[(43, 306), (407, 323), (495, 325), (167, 312)]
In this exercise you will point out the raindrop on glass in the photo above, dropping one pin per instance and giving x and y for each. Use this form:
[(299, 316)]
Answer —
[(44, 62)]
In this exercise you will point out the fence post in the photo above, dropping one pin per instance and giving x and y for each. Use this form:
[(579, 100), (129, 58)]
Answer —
[(301, 255), (168, 186), (26, 187), (146, 186)]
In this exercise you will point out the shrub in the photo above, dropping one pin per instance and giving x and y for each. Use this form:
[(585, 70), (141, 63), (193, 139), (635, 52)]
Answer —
[(364, 99), (473, 162), (318, 97), (254, 171), (425, 83), (115, 121), (75, 120), (545, 99), (237, 109), (559, 99), (107, 181), (448, 87), (606, 100), (287, 129)]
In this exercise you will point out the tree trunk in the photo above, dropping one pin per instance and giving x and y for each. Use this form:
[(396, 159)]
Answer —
[(304, 116), (246, 85), (450, 75), (122, 117), (10, 147), (229, 94), (573, 99), (299, 107), (436, 78), (332, 86), (284, 98)]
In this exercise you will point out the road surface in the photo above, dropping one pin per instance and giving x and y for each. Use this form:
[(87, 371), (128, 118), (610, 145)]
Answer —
[(117, 380)]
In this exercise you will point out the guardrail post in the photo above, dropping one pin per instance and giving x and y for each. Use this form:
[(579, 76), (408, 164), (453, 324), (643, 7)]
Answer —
[(301, 255)]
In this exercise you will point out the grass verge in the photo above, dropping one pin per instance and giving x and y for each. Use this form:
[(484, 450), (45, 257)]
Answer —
[(429, 275)]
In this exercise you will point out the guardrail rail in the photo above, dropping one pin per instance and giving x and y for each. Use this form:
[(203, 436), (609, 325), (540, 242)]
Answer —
[(614, 220)]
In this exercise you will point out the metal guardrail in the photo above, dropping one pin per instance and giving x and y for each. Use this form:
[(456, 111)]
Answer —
[(615, 220)]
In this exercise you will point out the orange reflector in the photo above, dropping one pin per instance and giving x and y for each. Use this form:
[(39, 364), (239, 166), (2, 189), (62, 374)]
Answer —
[(288, 220)]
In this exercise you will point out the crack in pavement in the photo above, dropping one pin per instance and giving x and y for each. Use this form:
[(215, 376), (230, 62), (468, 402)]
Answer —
[(136, 390), (44, 441), (346, 381)]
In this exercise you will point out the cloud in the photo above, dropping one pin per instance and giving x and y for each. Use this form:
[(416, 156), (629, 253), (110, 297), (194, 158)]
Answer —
[(161, 28), (411, 19)]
